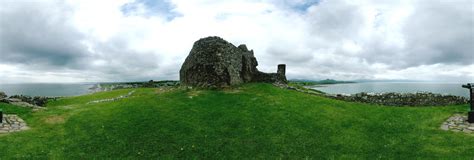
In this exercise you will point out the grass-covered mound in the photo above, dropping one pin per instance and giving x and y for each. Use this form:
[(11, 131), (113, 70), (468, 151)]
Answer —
[(253, 121)]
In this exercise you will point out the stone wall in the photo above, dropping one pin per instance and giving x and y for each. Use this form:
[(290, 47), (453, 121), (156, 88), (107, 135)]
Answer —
[(403, 99)]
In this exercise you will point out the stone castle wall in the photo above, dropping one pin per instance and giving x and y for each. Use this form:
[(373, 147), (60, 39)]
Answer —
[(214, 62)]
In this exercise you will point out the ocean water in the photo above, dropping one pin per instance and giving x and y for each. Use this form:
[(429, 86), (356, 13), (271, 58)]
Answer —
[(400, 87), (46, 89)]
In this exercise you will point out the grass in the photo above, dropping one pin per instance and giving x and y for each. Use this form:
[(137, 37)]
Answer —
[(253, 121)]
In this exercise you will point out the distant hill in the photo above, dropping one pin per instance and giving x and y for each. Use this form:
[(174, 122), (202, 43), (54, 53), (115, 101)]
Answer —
[(316, 82), (390, 80)]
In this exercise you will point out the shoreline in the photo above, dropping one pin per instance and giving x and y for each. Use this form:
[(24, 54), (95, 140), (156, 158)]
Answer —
[(393, 87), (416, 99)]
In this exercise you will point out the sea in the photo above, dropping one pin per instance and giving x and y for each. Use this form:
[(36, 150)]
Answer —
[(47, 89), (399, 87), (74, 89)]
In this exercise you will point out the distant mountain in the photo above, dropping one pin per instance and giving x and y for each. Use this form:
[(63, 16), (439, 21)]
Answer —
[(390, 80), (316, 82)]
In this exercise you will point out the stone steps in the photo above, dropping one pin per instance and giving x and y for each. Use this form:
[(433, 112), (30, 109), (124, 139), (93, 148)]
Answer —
[(12, 123)]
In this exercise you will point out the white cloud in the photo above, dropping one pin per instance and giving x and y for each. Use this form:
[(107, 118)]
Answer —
[(339, 39)]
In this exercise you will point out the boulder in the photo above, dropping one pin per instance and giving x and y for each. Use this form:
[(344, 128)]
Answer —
[(3, 95), (12, 100), (23, 104), (214, 62)]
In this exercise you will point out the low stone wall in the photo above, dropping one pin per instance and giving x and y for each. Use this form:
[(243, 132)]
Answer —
[(112, 99), (388, 99), (402, 99)]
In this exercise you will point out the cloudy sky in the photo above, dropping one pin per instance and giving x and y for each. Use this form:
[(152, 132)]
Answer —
[(129, 40)]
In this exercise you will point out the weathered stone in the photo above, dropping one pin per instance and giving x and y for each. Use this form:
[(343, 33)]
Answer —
[(444, 127), (23, 104), (112, 99), (34, 101), (3, 95), (14, 100), (403, 99), (12, 123), (457, 123), (214, 62)]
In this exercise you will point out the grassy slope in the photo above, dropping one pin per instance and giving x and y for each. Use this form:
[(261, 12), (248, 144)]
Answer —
[(255, 121)]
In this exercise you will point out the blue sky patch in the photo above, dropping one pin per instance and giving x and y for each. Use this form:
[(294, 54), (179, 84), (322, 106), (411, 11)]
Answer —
[(152, 8), (302, 7)]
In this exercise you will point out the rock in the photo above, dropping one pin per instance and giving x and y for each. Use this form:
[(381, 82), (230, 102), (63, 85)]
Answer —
[(457, 123), (3, 95), (445, 127), (23, 104), (12, 123), (214, 62), (11, 100), (403, 99), (291, 88)]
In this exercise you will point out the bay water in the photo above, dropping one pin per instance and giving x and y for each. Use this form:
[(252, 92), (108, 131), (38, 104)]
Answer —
[(399, 87), (73, 89), (46, 89)]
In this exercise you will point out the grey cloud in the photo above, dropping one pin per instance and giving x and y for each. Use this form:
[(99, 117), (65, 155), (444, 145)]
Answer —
[(441, 32), (335, 20), (437, 32), (39, 37), (287, 54), (119, 62), (38, 33)]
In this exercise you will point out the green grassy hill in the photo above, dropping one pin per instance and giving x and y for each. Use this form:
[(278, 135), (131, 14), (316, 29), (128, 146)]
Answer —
[(248, 122)]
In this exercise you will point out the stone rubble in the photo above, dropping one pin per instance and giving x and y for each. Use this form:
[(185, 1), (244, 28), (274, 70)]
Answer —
[(12, 123), (458, 123)]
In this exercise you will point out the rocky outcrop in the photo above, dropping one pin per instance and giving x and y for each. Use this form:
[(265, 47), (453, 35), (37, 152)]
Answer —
[(25, 101), (3, 95), (36, 101), (214, 62)]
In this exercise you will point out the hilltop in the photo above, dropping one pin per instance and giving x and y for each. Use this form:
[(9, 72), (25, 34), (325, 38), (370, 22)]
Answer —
[(243, 122)]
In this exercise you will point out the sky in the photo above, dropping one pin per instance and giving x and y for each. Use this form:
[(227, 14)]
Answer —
[(138, 40)]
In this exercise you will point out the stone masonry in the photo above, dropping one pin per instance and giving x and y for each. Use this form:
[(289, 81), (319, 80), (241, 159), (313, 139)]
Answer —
[(12, 123), (214, 62), (458, 123)]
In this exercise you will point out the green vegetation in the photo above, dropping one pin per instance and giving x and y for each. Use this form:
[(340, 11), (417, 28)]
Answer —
[(312, 83), (150, 83), (246, 122)]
